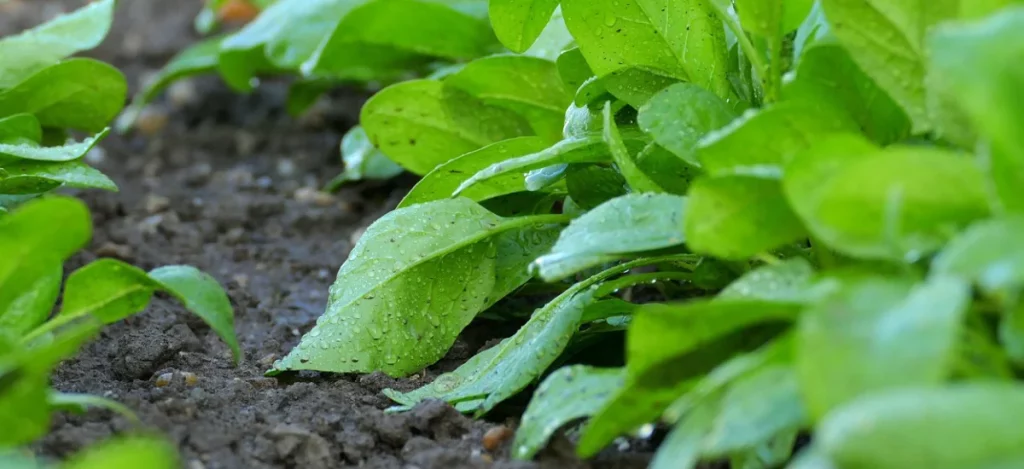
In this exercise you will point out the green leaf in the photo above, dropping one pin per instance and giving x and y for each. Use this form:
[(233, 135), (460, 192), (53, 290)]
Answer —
[(27, 299), (38, 48), (362, 160), (444, 179), (573, 68), (20, 128), (773, 18), (553, 40), (83, 402), (81, 94), (680, 115), (754, 409), (976, 65), (660, 333), (197, 59), (578, 150), (859, 340), (33, 177), (975, 425), (517, 23), (23, 408), (623, 158), (568, 394), (621, 227), (898, 203), (652, 36), (525, 85), (69, 152), (421, 124), (44, 230), (789, 281), (736, 217), (886, 39), (377, 317), (127, 452), (111, 290), (827, 78), (395, 32), (682, 447), (204, 297), (814, 27), (590, 185), (779, 133), (990, 254), (669, 171)]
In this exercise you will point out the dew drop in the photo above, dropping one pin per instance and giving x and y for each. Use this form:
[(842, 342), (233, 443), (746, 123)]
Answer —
[(609, 20)]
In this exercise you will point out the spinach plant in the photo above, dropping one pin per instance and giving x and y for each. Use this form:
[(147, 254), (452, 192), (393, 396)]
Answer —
[(828, 194), (44, 95)]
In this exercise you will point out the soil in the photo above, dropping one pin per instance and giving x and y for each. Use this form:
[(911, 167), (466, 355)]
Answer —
[(227, 183)]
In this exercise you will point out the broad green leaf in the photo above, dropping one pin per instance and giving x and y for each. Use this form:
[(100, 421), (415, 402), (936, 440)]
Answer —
[(679, 116), (124, 453), (621, 227), (579, 150), (414, 280), (668, 170), (568, 394), (828, 79), (444, 179), (813, 28), (20, 128), (23, 408), (660, 333), (971, 425), (204, 297), (81, 94), (737, 217), (406, 28), (898, 203), (591, 185), (886, 39), (525, 85), (772, 453), (553, 40), (446, 383), (26, 53), (990, 254), (772, 18), (778, 133), (198, 59), (283, 36), (682, 447), (69, 152), (859, 340), (33, 177), (573, 68), (111, 290), (754, 409), (637, 180), (518, 23), (82, 402), (788, 281), (518, 361), (652, 36), (362, 160), (26, 300), (41, 231), (977, 65), (421, 124)]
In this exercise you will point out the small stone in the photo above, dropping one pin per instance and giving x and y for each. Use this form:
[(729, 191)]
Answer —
[(119, 251), (182, 93), (241, 280), (496, 436), (245, 143), (196, 464), (151, 120), (164, 380), (311, 195), (285, 167), (190, 378), (268, 360), (156, 203)]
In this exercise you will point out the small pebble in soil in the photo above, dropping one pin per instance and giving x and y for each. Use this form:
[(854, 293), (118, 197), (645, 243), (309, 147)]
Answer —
[(311, 195), (496, 436), (119, 251), (151, 120), (156, 203), (182, 93), (190, 378), (164, 380)]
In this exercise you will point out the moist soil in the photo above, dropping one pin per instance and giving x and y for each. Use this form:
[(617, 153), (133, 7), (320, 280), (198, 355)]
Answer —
[(228, 183)]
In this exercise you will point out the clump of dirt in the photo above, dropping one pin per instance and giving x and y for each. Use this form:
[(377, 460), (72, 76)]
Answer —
[(227, 183)]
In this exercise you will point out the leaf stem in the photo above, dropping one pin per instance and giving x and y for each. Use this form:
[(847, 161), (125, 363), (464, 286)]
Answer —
[(48, 326), (741, 38), (633, 280)]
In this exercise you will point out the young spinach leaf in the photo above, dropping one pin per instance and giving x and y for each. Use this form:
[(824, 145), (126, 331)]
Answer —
[(362, 160), (518, 24), (81, 94), (679, 116)]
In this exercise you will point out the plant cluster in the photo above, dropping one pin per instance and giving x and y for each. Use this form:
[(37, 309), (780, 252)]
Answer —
[(827, 194), (43, 96)]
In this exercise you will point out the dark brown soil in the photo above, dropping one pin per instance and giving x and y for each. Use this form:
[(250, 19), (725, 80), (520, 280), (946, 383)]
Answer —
[(228, 184)]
